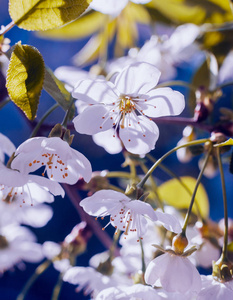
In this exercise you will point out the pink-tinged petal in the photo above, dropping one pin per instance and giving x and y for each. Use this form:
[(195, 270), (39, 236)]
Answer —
[(170, 222), (109, 7), (6, 146), (12, 178), (156, 269), (139, 138), (81, 166), (38, 193), (142, 208), (30, 252), (108, 140), (71, 75), (103, 202), (93, 119), (26, 153), (140, 1), (51, 249), (187, 279), (36, 216), (163, 102), (51, 186), (137, 79), (95, 91)]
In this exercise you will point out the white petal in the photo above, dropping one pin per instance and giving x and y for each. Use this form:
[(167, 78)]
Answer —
[(71, 75), (6, 146), (163, 102), (51, 249), (137, 79), (12, 178), (36, 216), (31, 252), (140, 1), (142, 208), (108, 140), (82, 165), (170, 222), (95, 91), (91, 121), (139, 138), (52, 186), (156, 269), (102, 202), (187, 279), (109, 7)]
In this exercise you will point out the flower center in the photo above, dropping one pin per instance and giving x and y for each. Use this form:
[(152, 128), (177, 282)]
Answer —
[(126, 106), (52, 162)]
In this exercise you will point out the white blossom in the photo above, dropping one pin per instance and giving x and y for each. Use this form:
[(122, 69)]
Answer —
[(61, 162), (125, 104)]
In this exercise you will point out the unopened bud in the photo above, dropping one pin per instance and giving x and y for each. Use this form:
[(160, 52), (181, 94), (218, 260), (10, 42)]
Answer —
[(75, 243), (179, 243)]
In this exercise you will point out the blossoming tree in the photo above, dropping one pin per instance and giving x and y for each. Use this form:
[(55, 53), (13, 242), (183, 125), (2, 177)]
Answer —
[(152, 87)]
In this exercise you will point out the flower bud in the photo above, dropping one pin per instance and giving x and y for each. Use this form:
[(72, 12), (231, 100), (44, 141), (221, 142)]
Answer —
[(75, 243), (179, 243), (222, 269)]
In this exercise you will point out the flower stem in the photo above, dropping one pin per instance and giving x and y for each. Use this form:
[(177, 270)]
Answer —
[(151, 170), (6, 28), (143, 257), (224, 248), (195, 191), (173, 175), (34, 132), (154, 186), (39, 270), (57, 288)]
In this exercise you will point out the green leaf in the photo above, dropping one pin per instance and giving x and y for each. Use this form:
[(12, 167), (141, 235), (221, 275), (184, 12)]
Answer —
[(25, 78), (229, 142), (56, 89), (83, 27), (45, 14), (174, 194), (190, 11)]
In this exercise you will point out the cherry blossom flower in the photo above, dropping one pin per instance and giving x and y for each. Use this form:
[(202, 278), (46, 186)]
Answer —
[(16, 184), (16, 244), (126, 214), (36, 216), (174, 272), (137, 291), (164, 52), (125, 104), (215, 290), (61, 162), (91, 280), (6, 147)]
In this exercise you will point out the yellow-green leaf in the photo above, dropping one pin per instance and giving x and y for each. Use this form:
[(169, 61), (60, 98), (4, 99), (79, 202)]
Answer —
[(56, 89), (83, 27), (191, 11), (25, 78), (173, 193), (229, 142), (45, 14)]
